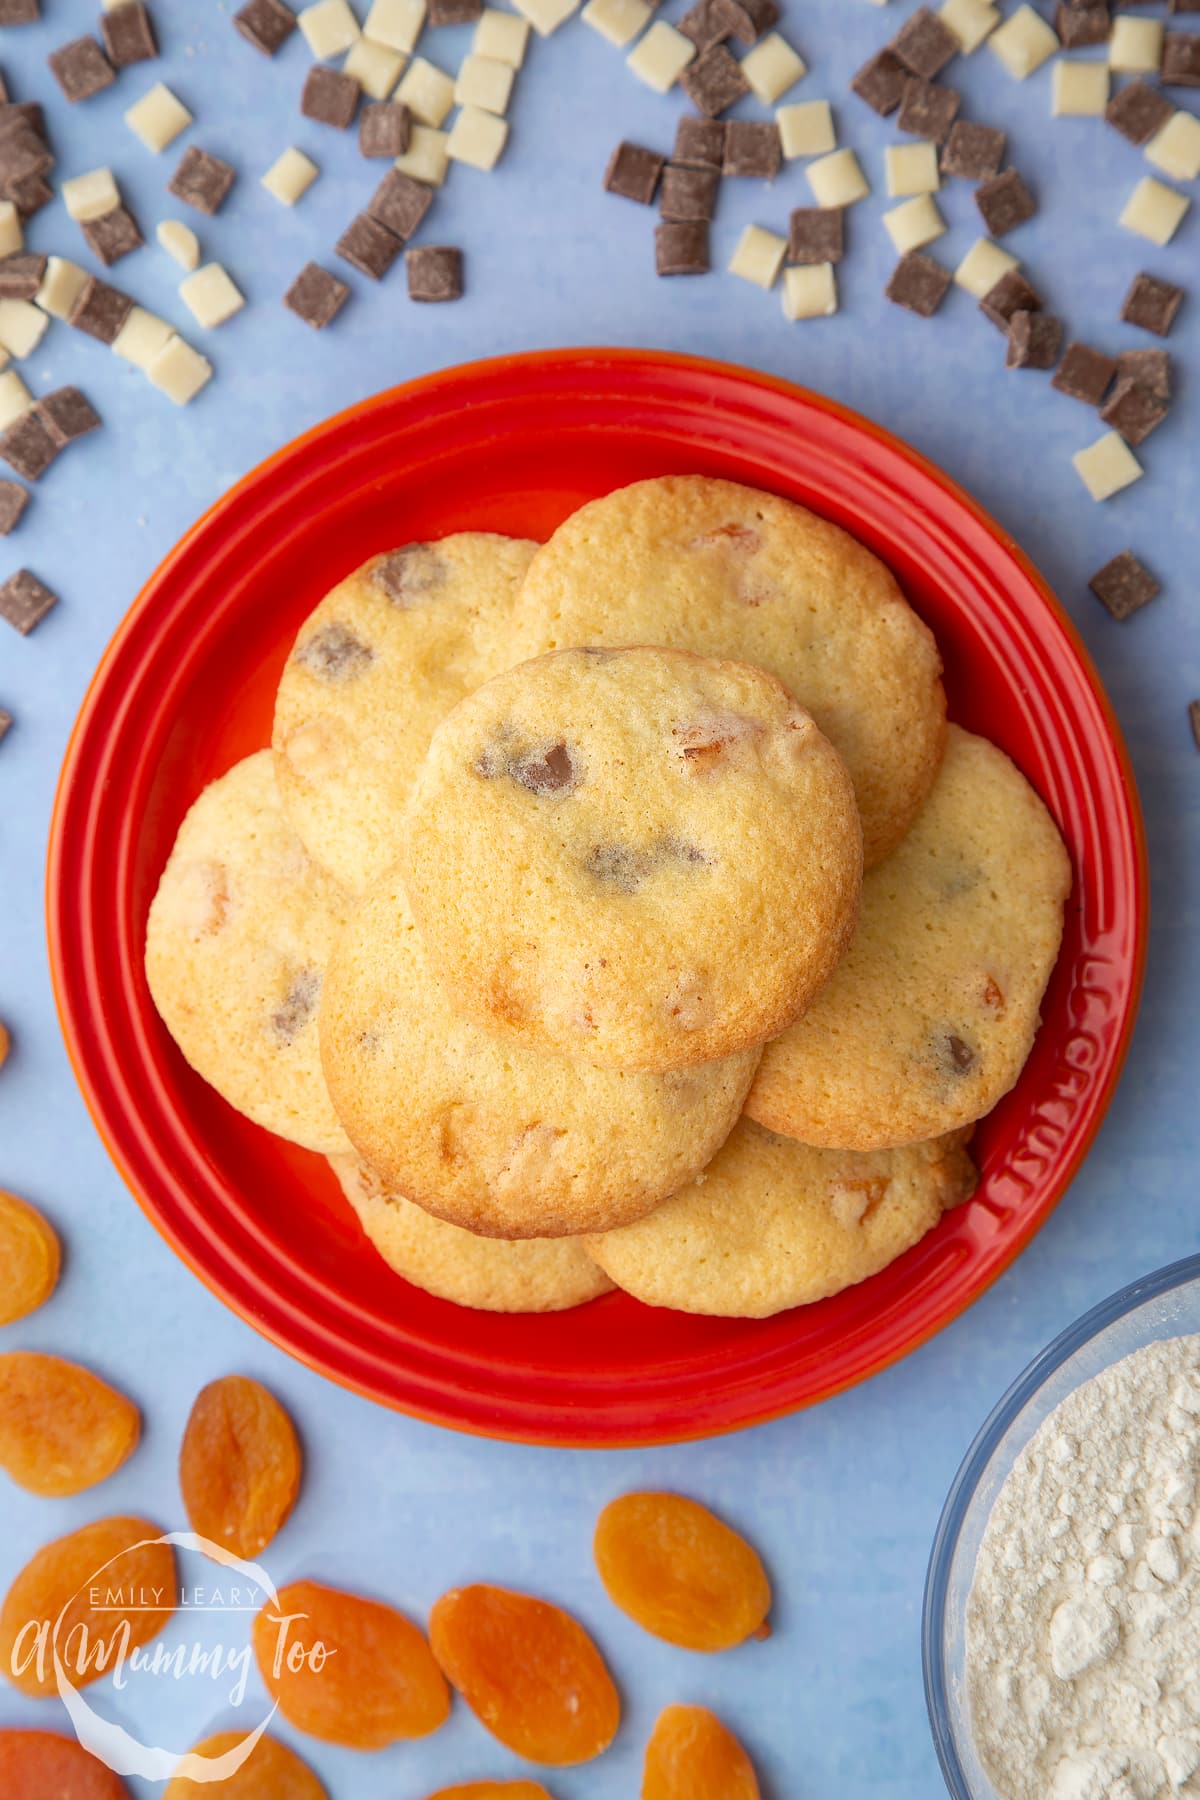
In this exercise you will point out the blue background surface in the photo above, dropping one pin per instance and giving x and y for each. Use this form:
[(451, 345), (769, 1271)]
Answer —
[(842, 1500)]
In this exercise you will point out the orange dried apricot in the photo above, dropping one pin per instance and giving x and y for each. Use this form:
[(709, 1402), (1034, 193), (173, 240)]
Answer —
[(240, 1465), (491, 1790), (528, 1671), (681, 1572), (692, 1756), (38, 1765), (348, 1670), (62, 1429), (30, 1259), (97, 1584), (270, 1772)]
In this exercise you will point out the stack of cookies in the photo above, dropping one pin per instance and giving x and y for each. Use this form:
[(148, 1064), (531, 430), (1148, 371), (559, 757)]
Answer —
[(546, 920)]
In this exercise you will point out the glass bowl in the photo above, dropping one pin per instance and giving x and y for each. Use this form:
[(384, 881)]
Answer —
[(1165, 1304)]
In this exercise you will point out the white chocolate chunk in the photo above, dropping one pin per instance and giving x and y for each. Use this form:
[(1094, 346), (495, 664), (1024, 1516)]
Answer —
[(61, 286), (759, 256), (971, 21), (810, 292), (12, 238), (425, 159), (289, 177), (837, 180), (1175, 147), (477, 138), (329, 27), (1023, 43), (211, 295), (1107, 466), (661, 57), (396, 24), (179, 241), (620, 21), (22, 326), (1079, 89), (484, 83), (427, 91), (158, 117), (914, 222), (982, 267), (502, 35), (1154, 210), (141, 338), (806, 128), (546, 15), (1135, 46), (772, 67), (179, 371), (92, 195), (15, 399), (912, 169), (375, 68)]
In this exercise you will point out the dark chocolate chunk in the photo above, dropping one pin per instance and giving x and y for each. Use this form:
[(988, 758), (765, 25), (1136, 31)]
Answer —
[(714, 82), (618, 866), (13, 501), (1005, 202), (368, 246), (1079, 27), (1150, 303), (960, 1053), (399, 203), (1183, 6), (633, 172), (974, 151), (763, 16), (1011, 294), (316, 296), (1181, 59), (6, 723), (335, 653), (1124, 585), (202, 181), (4, 94), (545, 772), (81, 69), (329, 96), (816, 234), (1034, 340), (28, 447), (454, 12), (1138, 111), (752, 149), (25, 601), (267, 24), (1085, 374), (128, 34), (681, 249), (1134, 411), (1194, 716), (23, 152), (688, 193), (927, 110), (880, 83), (384, 128), (924, 45), (18, 115), (30, 195), (707, 23), (21, 275), (699, 144), (919, 284), (19, 12), (100, 310), (299, 1006), (1151, 369), (67, 414), (435, 272), (404, 575), (113, 235)]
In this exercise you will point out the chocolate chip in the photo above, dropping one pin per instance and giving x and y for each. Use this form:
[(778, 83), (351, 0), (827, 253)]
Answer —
[(335, 654), (290, 1019), (1138, 111), (1034, 340), (267, 24), (454, 12), (405, 574), (28, 447), (1150, 303), (1151, 369), (1011, 294), (688, 193), (1134, 411), (316, 296), (544, 772), (25, 601), (435, 272), (1181, 59), (81, 69), (19, 12), (919, 284), (1085, 374), (816, 234), (1194, 715), (13, 501), (880, 83), (974, 151), (924, 45), (1124, 585), (962, 1056), (714, 82), (681, 249), (128, 34), (202, 181), (330, 97), (21, 276), (400, 204), (384, 128), (699, 144), (1005, 202), (618, 866), (1080, 26), (927, 110), (368, 246), (67, 414), (113, 235), (100, 311), (633, 172), (752, 149)]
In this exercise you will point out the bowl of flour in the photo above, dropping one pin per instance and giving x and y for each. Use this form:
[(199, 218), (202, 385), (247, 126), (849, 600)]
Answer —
[(1062, 1608)]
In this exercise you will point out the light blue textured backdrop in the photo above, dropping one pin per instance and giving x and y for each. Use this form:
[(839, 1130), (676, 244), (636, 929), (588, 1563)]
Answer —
[(842, 1500)]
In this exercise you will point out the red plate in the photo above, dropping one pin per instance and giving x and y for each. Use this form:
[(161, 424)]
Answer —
[(186, 688)]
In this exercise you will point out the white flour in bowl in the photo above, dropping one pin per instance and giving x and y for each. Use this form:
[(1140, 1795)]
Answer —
[(1083, 1621)]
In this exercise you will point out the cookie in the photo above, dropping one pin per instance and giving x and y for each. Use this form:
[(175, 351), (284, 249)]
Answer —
[(502, 1141), (732, 572), (238, 937), (373, 669), (536, 1275), (775, 1224), (640, 857), (930, 1018)]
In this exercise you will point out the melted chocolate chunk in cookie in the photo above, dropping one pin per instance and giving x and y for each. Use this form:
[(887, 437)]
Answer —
[(550, 771), (290, 1019), (335, 654), (410, 574)]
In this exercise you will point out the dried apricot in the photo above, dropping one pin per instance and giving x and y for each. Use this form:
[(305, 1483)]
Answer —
[(348, 1670), (528, 1671), (62, 1429), (681, 1573), (490, 1790), (692, 1756), (39, 1765), (109, 1588), (270, 1772), (240, 1465), (30, 1259)]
